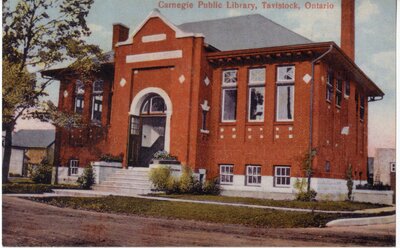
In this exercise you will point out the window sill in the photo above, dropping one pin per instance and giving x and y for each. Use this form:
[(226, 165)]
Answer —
[(282, 186), (204, 131), (226, 184), (255, 123), (253, 185), (339, 107), (346, 97), (233, 123), (283, 123)]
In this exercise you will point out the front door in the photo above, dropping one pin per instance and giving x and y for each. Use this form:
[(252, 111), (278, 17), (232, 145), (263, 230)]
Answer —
[(153, 138), (134, 140), (147, 132)]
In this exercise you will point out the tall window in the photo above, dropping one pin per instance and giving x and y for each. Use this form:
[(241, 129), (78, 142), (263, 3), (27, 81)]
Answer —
[(79, 96), (329, 87), (282, 176), (229, 95), (339, 94), (73, 166), (253, 175), (256, 94), (347, 88), (392, 167), (97, 100), (285, 93), (226, 174), (362, 107)]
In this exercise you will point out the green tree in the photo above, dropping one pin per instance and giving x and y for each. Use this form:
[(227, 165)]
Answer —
[(38, 34)]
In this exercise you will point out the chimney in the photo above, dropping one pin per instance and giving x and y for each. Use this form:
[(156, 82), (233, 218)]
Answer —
[(120, 33), (347, 29)]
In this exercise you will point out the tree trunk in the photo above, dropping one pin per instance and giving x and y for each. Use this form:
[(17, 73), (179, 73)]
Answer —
[(7, 152)]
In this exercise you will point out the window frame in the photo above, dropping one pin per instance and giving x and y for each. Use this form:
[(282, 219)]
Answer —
[(256, 175), (276, 176), (284, 83), (228, 87), (95, 95), (362, 108), (74, 167), (330, 81), (393, 167), (347, 90), (339, 93), (79, 102), (254, 84), (227, 174)]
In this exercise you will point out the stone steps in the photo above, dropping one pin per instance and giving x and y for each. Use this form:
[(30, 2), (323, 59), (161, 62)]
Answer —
[(132, 181)]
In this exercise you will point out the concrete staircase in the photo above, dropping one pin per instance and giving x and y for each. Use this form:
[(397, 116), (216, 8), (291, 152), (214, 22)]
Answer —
[(132, 181)]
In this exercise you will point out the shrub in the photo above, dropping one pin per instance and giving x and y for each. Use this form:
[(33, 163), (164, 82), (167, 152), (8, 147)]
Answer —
[(211, 187), (172, 186), (302, 194), (163, 155), (350, 183), (378, 186), (111, 158), (160, 178), (86, 180), (187, 181), (42, 172)]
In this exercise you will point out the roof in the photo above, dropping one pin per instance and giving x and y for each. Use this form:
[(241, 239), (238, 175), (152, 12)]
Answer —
[(336, 56), (33, 138), (243, 32)]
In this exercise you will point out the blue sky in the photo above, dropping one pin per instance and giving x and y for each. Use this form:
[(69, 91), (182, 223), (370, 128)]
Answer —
[(375, 40)]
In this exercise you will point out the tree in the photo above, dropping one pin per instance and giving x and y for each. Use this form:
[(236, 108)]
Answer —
[(38, 34), (307, 166)]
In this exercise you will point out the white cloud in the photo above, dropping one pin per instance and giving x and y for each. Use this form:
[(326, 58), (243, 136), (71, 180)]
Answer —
[(99, 30), (321, 25), (366, 10), (380, 67)]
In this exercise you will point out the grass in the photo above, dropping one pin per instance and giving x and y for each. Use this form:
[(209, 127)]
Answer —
[(320, 205), (31, 188), (195, 211)]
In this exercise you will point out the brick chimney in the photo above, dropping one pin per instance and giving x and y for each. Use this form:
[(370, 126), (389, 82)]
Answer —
[(347, 29), (120, 33)]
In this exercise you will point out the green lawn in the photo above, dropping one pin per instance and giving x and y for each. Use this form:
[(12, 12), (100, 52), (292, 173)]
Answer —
[(320, 205), (195, 211)]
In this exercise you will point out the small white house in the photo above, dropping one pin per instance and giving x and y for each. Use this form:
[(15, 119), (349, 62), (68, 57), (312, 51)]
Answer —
[(384, 165)]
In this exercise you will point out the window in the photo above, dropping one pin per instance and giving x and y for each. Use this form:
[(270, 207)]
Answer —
[(362, 106), (256, 94), (347, 88), (229, 95), (356, 100), (73, 166), (226, 174), (282, 176), (154, 105), (338, 97), (205, 108), (253, 175), (392, 167), (97, 100), (327, 166), (329, 87), (79, 96), (285, 93)]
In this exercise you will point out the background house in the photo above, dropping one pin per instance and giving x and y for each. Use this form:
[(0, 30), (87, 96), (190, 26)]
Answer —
[(29, 148), (385, 166)]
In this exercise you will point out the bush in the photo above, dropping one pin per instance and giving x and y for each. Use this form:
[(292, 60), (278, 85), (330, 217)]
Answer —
[(378, 186), (349, 182), (160, 178), (186, 182), (86, 180), (163, 155), (163, 180), (211, 187), (302, 194), (111, 158), (30, 188), (42, 172)]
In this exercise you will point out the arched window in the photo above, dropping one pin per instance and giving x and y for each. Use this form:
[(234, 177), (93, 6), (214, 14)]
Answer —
[(79, 96), (154, 104), (97, 100)]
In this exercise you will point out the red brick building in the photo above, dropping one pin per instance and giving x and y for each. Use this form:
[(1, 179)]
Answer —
[(243, 98)]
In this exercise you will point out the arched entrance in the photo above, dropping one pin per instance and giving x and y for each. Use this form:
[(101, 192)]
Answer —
[(149, 126)]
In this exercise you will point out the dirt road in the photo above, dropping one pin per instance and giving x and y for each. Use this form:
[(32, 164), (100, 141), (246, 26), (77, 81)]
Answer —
[(27, 223)]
